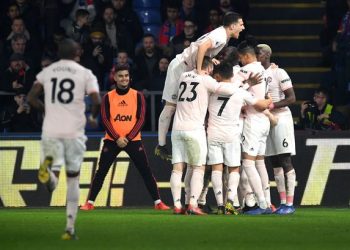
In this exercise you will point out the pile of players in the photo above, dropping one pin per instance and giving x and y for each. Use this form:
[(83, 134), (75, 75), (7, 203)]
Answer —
[(228, 118)]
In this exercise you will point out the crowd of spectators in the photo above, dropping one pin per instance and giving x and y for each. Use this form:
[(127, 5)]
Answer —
[(109, 32)]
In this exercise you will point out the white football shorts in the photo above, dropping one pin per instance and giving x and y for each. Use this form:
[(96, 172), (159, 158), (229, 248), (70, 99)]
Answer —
[(68, 152), (281, 138), (189, 147)]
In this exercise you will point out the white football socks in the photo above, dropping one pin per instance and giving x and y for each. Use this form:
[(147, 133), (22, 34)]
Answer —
[(280, 183), (255, 181), (260, 166), (187, 181), (290, 176), (216, 181), (73, 192), (233, 182), (175, 184), (196, 185)]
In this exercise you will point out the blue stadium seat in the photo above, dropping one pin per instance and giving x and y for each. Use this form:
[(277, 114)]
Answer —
[(149, 16), (153, 29), (146, 3)]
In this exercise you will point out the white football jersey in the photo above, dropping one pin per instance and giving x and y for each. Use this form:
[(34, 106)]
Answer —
[(278, 81), (224, 114), (258, 90), (193, 98), (218, 38), (65, 85)]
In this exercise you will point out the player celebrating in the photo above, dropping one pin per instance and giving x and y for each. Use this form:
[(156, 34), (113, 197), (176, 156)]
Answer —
[(255, 130), (64, 84), (280, 142), (210, 45), (123, 115), (224, 135), (188, 135)]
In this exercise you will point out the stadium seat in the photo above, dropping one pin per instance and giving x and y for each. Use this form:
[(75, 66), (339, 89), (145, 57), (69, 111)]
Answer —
[(153, 29), (149, 16), (146, 3)]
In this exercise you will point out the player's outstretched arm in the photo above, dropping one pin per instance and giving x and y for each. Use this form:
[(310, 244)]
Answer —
[(33, 97)]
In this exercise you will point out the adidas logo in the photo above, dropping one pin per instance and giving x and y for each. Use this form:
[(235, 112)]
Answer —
[(122, 103)]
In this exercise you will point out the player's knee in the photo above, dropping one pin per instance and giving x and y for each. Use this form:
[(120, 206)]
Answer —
[(278, 171), (286, 163)]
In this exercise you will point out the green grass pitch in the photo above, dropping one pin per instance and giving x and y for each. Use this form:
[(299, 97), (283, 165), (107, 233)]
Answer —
[(308, 228)]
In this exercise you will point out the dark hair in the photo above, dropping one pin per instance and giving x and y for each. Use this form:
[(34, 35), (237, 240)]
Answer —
[(108, 6), (248, 46), (121, 67), (149, 35), (81, 13), (206, 62), (67, 49), (217, 9), (231, 18), (224, 69), (122, 51), (173, 5), (17, 37), (322, 90), (230, 55), (18, 18)]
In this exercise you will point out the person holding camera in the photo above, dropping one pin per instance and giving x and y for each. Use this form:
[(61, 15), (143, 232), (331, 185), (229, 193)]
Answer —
[(19, 117), (319, 114), (97, 56)]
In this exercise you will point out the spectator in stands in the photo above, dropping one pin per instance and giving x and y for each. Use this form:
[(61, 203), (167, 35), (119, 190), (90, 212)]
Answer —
[(122, 58), (172, 26), (146, 61), (128, 17), (11, 13), (19, 45), (157, 83), (215, 19), (19, 117), (225, 6), (18, 27), (182, 41), (188, 11), (334, 11), (74, 5), (118, 36), (78, 30), (31, 15), (97, 56), (51, 47), (18, 75), (319, 114)]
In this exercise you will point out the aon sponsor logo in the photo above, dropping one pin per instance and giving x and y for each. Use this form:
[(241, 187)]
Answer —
[(123, 118)]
